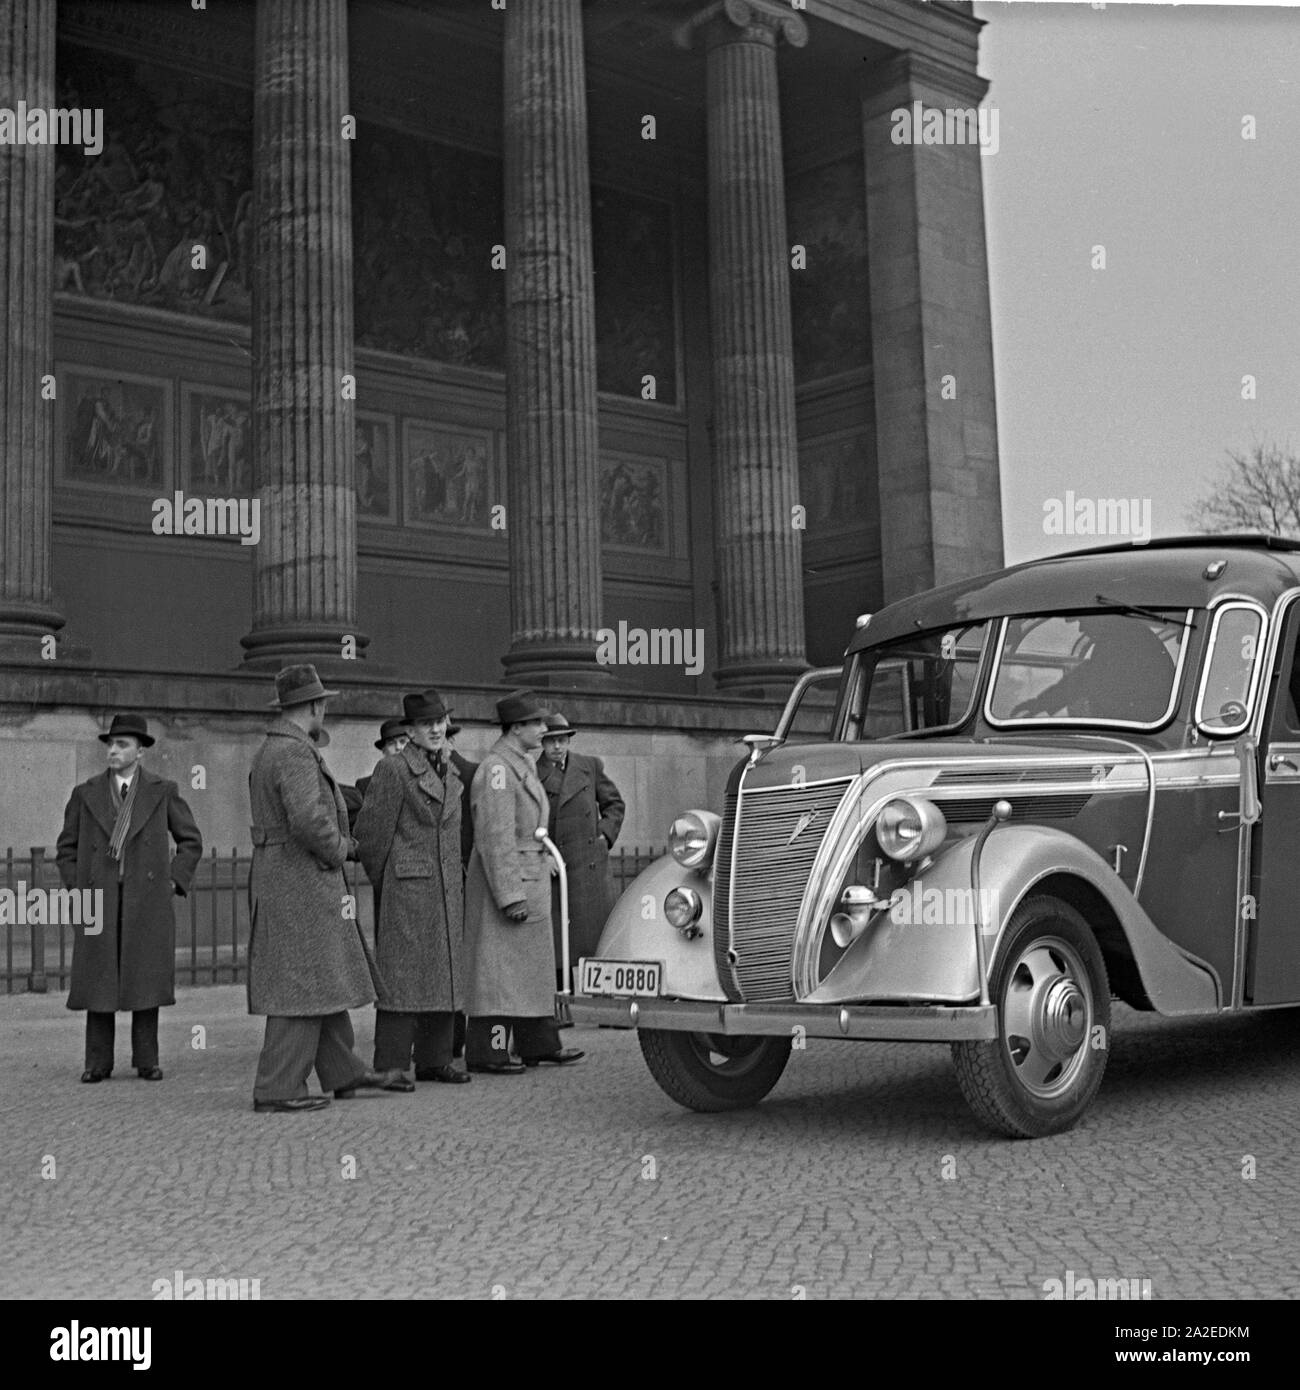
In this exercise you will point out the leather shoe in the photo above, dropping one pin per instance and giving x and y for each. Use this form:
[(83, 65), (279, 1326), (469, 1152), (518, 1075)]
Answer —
[(150, 1073), (453, 1076), (376, 1081), (561, 1058), (92, 1076), (514, 1067), (290, 1107)]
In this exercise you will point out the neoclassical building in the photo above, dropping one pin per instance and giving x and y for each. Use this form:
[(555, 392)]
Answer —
[(522, 322)]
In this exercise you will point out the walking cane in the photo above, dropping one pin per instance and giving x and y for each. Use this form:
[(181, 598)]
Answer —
[(564, 996)]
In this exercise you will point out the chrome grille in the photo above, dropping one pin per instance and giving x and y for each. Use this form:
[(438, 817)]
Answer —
[(767, 883), (1044, 806), (721, 894), (1012, 775)]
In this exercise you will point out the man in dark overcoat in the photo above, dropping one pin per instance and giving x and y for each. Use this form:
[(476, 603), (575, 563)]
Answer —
[(408, 838), (509, 951), (586, 816), (307, 963), (392, 739), (114, 838)]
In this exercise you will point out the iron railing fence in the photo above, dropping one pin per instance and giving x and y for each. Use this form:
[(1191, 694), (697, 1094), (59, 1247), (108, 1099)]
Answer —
[(211, 921)]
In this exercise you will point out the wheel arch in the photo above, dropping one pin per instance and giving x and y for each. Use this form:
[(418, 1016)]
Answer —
[(1103, 921)]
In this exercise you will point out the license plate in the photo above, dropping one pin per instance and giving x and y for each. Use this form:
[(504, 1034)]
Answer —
[(630, 977)]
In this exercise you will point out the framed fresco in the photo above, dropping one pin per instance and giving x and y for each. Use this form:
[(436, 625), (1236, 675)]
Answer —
[(836, 483), (448, 476), (216, 442), (376, 476), (113, 430), (635, 510)]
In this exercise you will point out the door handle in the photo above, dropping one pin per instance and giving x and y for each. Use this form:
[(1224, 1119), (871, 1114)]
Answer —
[(1277, 760)]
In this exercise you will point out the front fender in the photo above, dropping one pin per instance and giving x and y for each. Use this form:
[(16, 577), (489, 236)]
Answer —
[(638, 930), (933, 959)]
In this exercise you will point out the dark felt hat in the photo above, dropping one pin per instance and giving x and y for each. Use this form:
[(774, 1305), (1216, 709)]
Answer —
[(426, 705), (390, 728), (298, 685), (519, 707), (557, 726), (133, 724)]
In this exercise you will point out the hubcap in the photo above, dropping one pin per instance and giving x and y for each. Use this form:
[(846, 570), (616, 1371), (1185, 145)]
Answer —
[(1046, 1013), (732, 1056)]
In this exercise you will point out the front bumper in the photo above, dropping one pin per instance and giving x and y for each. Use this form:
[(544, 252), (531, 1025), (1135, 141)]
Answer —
[(883, 1022)]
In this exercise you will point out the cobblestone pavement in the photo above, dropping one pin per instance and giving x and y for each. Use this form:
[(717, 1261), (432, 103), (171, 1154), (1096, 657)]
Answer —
[(589, 1182)]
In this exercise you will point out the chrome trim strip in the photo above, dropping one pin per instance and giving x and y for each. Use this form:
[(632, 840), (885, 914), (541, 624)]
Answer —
[(878, 1022), (1060, 723)]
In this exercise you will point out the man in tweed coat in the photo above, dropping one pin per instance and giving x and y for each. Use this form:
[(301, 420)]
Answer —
[(307, 963), (508, 904), (408, 837)]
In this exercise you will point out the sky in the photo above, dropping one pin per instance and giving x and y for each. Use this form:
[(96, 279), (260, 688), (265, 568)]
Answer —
[(1122, 127)]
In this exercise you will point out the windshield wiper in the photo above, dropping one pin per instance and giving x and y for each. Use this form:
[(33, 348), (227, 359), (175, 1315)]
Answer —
[(1140, 612)]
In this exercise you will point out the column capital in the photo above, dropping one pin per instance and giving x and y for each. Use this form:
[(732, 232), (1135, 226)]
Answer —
[(754, 21)]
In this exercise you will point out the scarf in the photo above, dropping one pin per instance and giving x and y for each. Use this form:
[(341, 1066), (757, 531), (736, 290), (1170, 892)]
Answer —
[(117, 842)]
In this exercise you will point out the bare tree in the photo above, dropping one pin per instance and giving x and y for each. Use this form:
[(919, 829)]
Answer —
[(1257, 491)]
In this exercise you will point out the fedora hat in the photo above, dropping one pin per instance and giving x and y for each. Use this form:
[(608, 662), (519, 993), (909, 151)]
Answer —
[(426, 705), (519, 707), (298, 685), (133, 724), (557, 726), (390, 728)]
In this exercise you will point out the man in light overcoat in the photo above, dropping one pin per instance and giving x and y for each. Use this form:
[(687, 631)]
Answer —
[(508, 904), (408, 837), (307, 963), (114, 838)]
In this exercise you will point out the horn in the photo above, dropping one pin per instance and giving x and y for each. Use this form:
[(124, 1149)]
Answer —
[(845, 930)]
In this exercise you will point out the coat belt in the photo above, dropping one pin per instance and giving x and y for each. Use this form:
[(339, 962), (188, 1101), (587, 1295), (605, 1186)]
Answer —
[(262, 836)]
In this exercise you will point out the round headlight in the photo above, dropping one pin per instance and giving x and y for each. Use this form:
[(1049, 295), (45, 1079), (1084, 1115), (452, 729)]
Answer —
[(682, 907), (910, 827), (692, 838)]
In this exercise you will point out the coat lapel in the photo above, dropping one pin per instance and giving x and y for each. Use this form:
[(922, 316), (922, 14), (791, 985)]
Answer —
[(147, 796), (100, 800), (576, 777), (523, 765), (426, 778)]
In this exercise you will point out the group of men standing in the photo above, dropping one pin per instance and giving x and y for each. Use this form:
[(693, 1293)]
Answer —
[(466, 902)]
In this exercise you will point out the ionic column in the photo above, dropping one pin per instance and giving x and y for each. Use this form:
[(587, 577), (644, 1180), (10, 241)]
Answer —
[(551, 420), (931, 333), (305, 567), (27, 613), (756, 459)]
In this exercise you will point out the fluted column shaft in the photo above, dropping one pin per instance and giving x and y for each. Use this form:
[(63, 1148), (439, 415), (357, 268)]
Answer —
[(27, 613), (305, 567), (551, 409), (756, 458)]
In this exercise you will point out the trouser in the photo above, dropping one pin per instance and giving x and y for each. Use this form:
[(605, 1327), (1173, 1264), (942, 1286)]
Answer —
[(101, 1029), (396, 1033), (293, 1046), (487, 1038), (458, 1036)]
